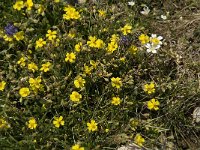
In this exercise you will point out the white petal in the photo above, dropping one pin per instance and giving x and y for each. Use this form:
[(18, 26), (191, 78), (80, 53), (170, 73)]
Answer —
[(142, 12), (131, 3), (153, 35), (157, 47), (145, 11), (148, 45), (160, 37), (148, 50), (154, 51)]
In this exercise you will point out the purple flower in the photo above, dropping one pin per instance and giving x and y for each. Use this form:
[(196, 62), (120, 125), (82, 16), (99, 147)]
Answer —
[(10, 29), (124, 40)]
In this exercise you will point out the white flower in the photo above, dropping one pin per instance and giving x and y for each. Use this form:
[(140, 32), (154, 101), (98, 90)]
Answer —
[(163, 17), (131, 3), (151, 48), (156, 40), (145, 11)]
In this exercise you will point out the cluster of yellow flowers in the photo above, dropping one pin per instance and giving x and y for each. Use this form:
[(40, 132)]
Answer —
[(57, 122), (35, 84), (32, 66), (153, 103), (17, 36), (85, 69), (94, 42), (21, 4)]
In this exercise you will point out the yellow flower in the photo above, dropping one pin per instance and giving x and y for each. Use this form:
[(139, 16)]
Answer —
[(114, 38), (18, 5), (71, 34), (112, 46), (104, 30), (116, 82), (45, 67), (56, 42), (126, 29), (7, 38), (144, 39), (149, 88), (40, 43), (79, 82), (32, 124), (51, 35), (133, 49), (75, 96), (156, 40), (88, 69), (106, 130), (29, 4), (2, 85), (122, 59), (35, 83), (40, 9), (77, 147), (102, 13), (30, 51), (153, 104), (92, 125), (21, 62), (3, 123), (71, 13), (92, 41), (78, 46), (58, 121), (116, 101), (99, 43), (70, 57), (94, 64), (134, 124), (24, 92), (139, 140), (19, 35), (33, 67), (56, 1)]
